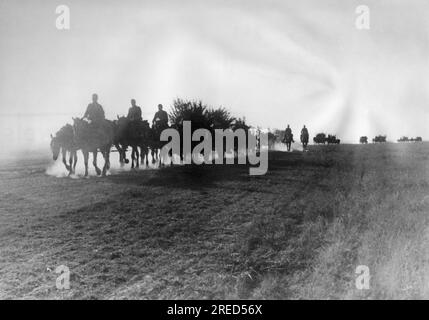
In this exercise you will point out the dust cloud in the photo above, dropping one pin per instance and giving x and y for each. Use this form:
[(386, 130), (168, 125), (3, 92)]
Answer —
[(58, 170), (278, 146)]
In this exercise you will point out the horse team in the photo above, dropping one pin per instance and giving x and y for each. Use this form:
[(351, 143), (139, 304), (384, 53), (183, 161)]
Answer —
[(121, 133)]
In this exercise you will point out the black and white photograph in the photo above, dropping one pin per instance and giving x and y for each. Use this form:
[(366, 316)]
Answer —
[(214, 150)]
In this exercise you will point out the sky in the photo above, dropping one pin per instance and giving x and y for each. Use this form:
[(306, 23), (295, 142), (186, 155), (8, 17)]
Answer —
[(272, 62)]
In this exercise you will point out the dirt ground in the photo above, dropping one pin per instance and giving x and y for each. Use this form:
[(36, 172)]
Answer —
[(215, 232)]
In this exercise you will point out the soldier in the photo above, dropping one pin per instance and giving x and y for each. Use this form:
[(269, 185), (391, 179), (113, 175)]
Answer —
[(288, 138), (135, 112), (304, 138), (304, 131), (97, 121), (94, 112), (161, 118), (288, 131)]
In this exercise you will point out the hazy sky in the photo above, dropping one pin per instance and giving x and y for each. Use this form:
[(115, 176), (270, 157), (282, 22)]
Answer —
[(274, 62)]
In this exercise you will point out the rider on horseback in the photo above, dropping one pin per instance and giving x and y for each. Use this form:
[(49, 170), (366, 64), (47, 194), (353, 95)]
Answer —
[(304, 131), (288, 132), (160, 120), (135, 120), (304, 138), (95, 114)]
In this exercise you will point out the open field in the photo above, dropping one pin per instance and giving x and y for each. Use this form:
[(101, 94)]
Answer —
[(214, 232)]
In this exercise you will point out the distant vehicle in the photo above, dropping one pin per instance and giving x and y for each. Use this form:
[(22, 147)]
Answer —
[(320, 138), (363, 140), (379, 139), (404, 139), (332, 139), (416, 139)]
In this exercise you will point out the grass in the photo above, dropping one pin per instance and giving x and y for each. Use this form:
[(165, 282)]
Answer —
[(298, 232)]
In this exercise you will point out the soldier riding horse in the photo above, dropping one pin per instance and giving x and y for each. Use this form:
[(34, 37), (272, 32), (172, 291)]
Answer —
[(159, 123), (288, 138), (304, 138), (94, 135)]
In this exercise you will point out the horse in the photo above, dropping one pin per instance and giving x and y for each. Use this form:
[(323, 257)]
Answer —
[(130, 133), (304, 140), (288, 139), (145, 142), (94, 137), (119, 143), (154, 142), (64, 142), (138, 136)]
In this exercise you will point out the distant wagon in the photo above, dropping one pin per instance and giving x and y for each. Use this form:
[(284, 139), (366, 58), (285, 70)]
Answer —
[(404, 139), (320, 138), (379, 139), (363, 140), (332, 139), (416, 139)]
